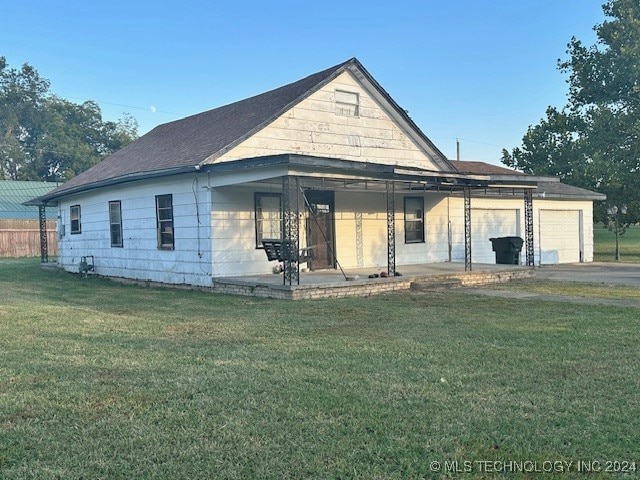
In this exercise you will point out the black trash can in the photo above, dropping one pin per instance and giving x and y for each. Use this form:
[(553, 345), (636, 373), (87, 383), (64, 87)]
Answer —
[(507, 249)]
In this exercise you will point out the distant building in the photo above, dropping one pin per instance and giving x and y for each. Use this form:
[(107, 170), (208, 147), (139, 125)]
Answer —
[(19, 224)]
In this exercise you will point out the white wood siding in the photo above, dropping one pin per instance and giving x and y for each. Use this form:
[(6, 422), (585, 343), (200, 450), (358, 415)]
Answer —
[(436, 225), (492, 223), (313, 128), (140, 258), (360, 231), (222, 243), (233, 240)]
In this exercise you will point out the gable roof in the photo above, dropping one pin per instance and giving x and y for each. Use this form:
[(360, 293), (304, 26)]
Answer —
[(198, 139), (560, 190), (482, 168), (547, 187), (13, 193)]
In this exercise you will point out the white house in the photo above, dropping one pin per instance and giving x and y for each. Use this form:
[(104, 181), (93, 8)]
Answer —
[(329, 162)]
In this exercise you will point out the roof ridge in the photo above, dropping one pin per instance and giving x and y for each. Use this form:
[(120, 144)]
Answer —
[(320, 73)]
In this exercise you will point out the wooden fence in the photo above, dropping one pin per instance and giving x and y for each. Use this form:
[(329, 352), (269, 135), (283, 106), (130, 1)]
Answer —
[(21, 238)]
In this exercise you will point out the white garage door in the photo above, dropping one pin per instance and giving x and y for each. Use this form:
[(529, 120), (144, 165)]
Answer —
[(560, 236), (486, 224)]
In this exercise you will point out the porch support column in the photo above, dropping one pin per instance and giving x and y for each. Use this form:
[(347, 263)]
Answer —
[(467, 228), (391, 229), (528, 226), (291, 227), (44, 244)]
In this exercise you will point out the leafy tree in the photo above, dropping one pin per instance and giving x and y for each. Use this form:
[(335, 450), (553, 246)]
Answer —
[(594, 141), (45, 137)]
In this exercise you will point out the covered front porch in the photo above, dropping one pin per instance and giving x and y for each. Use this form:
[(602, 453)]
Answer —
[(350, 215), (361, 282)]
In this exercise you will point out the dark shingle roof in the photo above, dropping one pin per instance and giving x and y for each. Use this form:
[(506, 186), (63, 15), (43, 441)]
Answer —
[(562, 190), (191, 140), (546, 189), (482, 168), (12, 195), (183, 144)]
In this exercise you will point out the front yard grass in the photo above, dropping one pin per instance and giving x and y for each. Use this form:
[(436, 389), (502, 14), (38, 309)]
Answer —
[(573, 289), (103, 380)]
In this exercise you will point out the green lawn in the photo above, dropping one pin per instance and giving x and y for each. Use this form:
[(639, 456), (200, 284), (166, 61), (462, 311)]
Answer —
[(574, 289), (100, 380), (604, 245)]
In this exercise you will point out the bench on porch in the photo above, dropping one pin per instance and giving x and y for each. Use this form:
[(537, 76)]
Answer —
[(275, 250)]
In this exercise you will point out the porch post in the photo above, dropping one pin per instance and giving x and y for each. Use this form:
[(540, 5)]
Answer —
[(291, 227), (467, 228), (391, 229), (528, 226), (44, 245)]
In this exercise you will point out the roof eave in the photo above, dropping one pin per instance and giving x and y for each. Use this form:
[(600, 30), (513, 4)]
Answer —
[(45, 199), (594, 197)]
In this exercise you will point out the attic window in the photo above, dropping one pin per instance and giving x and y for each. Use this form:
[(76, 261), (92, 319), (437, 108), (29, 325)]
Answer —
[(347, 103)]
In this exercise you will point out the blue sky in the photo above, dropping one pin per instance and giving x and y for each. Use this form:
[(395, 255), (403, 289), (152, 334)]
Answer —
[(478, 70)]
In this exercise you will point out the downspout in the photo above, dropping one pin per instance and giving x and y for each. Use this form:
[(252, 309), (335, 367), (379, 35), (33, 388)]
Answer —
[(210, 216)]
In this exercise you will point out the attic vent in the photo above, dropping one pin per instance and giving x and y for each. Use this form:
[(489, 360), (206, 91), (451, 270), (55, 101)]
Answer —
[(347, 103)]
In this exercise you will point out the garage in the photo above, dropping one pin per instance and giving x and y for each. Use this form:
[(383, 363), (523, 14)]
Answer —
[(560, 236), (491, 223)]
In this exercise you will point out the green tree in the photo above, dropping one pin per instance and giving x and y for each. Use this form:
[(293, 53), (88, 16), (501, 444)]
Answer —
[(45, 137), (594, 141)]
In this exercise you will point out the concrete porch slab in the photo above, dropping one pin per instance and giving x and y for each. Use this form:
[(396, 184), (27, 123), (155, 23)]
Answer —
[(332, 284)]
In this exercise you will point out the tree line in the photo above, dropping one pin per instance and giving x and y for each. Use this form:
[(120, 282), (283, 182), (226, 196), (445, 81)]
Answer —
[(47, 138), (594, 140)]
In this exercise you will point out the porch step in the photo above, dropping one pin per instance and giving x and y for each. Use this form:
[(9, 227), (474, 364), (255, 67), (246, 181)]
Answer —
[(435, 284)]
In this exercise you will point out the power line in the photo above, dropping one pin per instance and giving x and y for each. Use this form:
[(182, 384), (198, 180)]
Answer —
[(151, 109)]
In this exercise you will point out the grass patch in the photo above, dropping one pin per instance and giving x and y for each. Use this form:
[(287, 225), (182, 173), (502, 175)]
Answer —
[(574, 289), (604, 244), (102, 380)]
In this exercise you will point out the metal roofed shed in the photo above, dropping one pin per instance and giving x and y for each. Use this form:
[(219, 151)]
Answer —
[(20, 224)]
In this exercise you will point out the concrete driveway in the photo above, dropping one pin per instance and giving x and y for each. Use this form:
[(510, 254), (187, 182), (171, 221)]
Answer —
[(608, 273)]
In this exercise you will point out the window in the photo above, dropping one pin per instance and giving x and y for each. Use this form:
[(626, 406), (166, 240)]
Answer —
[(164, 216), (75, 219), (268, 208), (413, 220), (347, 103), (115, 222)]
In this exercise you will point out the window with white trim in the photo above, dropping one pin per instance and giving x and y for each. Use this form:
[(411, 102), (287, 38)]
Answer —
[(413, 220), (74, 213), (268, 215), (347, 103), (164, 217), (115, 223)]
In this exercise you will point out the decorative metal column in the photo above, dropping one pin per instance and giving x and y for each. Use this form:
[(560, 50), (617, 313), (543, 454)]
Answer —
[(467, 228), (391, 229), (291, 240), (44, 244), (528, 226)]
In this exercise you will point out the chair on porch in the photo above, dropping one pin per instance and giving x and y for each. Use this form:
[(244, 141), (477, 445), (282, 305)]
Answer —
[(276, 249)]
